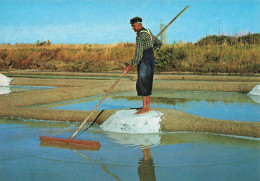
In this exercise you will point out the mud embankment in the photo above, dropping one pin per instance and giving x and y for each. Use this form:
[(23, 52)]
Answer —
[(20, 104)]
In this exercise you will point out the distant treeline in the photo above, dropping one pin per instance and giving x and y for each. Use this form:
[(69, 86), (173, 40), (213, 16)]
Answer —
[(212, 54)]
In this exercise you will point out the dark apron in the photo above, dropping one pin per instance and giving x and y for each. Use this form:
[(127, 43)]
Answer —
[(145, 68)]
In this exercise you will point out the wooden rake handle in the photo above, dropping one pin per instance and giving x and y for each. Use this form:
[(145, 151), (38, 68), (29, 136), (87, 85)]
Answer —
[(97, 106)]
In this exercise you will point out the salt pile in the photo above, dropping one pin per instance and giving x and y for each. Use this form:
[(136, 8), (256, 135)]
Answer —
[(126, 121), (4, 81), (254, 94), (255, 91), (5, 90)]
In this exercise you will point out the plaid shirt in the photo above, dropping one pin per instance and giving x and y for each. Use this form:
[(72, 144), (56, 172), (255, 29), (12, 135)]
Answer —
[(145, 40)]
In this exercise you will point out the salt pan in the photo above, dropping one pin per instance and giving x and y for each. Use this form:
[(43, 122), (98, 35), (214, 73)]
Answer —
[(126, 121)]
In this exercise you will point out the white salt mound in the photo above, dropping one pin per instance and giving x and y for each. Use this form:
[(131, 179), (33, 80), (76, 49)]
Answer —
[(4, 81), (254, 94), (5, 90), (125, 121), (255, 91)]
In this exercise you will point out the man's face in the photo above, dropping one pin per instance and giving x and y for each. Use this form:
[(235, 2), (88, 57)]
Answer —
[(136, 27)]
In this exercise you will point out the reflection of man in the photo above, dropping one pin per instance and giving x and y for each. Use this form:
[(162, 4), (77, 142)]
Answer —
[(146, 42), (146, 168)]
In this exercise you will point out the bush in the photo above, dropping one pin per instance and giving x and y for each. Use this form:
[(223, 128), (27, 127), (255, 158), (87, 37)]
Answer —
[(81, 66), (162, 57)]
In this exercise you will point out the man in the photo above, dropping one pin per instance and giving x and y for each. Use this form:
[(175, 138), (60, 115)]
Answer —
[(146, 42)]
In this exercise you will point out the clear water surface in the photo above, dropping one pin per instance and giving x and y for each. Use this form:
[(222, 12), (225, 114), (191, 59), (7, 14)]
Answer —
[(217, 105), (128, 157)]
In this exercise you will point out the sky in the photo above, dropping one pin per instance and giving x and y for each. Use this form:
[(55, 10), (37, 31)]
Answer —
[(107, 21)]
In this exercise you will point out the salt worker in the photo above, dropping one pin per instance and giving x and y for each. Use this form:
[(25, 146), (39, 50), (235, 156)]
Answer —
[(144, 59)]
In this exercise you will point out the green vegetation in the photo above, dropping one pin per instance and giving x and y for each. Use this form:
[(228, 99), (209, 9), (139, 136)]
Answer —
[(253, 39), (212, 54)]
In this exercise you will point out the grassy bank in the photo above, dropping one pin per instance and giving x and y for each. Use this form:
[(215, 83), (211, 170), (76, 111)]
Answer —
[(206, 56)]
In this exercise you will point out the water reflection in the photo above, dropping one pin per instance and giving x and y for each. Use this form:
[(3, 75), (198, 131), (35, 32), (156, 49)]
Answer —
[(136, 140), (170, 156), (17, 88), (216, 105), (146, 169), (255, 98), (111, 174), (189, 150)]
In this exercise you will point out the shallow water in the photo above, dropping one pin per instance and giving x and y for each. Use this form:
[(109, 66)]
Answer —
[(171, 156), (21, 88), (95, 77), (217, 105)]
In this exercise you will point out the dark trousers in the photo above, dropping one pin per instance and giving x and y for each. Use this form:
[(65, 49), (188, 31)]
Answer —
[(145, 68)]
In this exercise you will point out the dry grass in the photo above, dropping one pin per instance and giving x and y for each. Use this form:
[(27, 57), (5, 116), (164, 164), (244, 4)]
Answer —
[(233, 59)]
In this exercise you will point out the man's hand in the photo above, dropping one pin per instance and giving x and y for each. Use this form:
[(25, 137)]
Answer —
[(127, 69)]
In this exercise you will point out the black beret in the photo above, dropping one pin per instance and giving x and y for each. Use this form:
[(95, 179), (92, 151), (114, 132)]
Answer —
[(135, 20)]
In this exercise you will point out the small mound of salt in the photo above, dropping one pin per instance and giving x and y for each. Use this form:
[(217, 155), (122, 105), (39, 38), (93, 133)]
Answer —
[(254, 94), (5, 90), (126, 121), (4, 81), (255, 91)]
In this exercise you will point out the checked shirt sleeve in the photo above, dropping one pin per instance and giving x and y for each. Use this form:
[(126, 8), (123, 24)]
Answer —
[(138, 51)]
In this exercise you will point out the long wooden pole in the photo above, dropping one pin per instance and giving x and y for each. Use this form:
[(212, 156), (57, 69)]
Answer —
[(97, 106), (171, 21), (119, 79)]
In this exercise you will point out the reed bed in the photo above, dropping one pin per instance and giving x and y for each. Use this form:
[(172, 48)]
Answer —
[(233, 58)]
